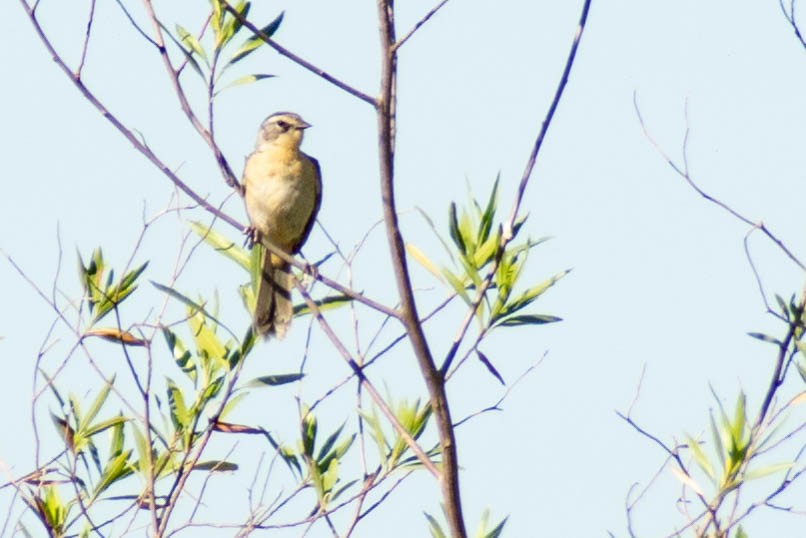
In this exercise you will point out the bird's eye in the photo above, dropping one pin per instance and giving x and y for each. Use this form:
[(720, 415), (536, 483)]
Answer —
[(283, 125)]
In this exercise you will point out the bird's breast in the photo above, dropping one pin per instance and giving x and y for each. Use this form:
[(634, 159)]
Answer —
[(281, 190)]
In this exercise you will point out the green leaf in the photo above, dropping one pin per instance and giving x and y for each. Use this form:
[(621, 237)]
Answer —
[(116, 469), (231, 25), (180, 353), (423, 260), (246, 79), (700, 458), (488, 216), (308, 433), (767, 470), (221, 244), (96, 405), (765, 338), (215, 19), (186, 300), (497, 531), (486, 362), (216, 466), (104, 425), (191, 44), (328, 444), (327, 303), (453, 227), (274, 380), (434, 527), (458, 285), (527, 319), (331, 475), (256, 41), (717, 436), (179, 411)]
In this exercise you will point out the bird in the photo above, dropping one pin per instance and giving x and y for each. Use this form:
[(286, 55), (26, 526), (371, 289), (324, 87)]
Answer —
[(282, 194)]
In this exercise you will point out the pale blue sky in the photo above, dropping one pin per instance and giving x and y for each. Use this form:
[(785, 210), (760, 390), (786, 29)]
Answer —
[(660, 277)]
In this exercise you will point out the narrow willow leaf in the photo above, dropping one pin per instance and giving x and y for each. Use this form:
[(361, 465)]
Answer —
[(179, 411), (216, 17), (116, 469), (423, 260), (191, 43), (782, 305), (181, 355), (130, 277), (308, 433), (433, 227), (433, 526), (457, 285), (767, 470), (687, 480), (488, 215), (215, 466), (246, 79), (486, 362), (274, 380), (453, 227), (528, 319), (256, 41), (221, 244), (104, 425), (116, 335), (324, 450), (700, 458), (498, 530), (226, 427), (765, 338), (717, 436), (65, 431), (188, 301), (327, 303), (330, 476), (99, 400)]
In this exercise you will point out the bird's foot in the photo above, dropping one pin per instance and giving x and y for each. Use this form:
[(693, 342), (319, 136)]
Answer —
[(252, 236)]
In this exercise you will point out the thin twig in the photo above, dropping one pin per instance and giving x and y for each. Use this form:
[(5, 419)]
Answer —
[(419, 24), (359, 373), (508, 232), (297, 59), (128, 134), (683, 171), (85, 46)]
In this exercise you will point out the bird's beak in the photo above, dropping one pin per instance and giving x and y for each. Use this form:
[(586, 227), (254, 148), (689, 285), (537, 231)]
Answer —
[(303, 125)]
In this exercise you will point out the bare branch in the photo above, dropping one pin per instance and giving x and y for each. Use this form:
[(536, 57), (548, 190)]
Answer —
[(683, 171), (127, 133), (297, 59), (434, 380), (419, 24)]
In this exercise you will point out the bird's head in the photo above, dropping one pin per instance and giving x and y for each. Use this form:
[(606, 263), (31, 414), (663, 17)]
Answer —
[(282, 129)]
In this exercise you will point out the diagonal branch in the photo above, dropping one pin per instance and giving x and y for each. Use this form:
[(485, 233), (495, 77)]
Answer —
[(507, 234), (297, 59), (368, 386), (128, 134), (683, 171), (173, 74), (419, 24)]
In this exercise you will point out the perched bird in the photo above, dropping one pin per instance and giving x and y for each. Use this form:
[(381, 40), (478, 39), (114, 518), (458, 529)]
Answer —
[(282, 192)]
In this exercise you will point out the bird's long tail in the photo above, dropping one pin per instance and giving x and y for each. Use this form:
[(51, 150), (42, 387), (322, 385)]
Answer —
[(274, 309)]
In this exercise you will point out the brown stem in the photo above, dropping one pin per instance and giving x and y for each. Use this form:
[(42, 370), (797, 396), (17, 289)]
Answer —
[(128, 134), (297, 59), (433, 379)]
